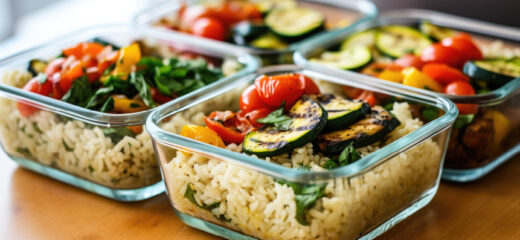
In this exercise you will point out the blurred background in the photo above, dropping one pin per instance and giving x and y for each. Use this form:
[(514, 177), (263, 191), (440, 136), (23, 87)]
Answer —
[(25, 23)]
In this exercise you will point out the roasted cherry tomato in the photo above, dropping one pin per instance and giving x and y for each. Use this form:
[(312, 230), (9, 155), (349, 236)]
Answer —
[(158, 97), (107, 58), (254, 115), (35, 86), (209, 28), (443, 73), (464, 89), (71, 70), (57, 93), (409, 60), (309, 86), (352, 92), (231, 127), (465, 45), (274, 90), (249, 100), (368, 97), (192, 13), (438, 53), (82, 49), (54, 66)]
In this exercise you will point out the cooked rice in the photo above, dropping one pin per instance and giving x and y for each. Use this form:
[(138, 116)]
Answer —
[(258, 206)]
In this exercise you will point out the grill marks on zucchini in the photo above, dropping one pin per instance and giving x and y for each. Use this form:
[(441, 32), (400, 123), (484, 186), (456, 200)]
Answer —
[(342, 112), (495, 72), (396, 41), (308, 120), (376, 125), (295, 23)]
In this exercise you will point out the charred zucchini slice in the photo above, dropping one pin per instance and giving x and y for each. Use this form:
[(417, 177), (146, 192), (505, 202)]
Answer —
[(296, 23), (342, 112), (308, 119), (245, 32), (396, 41), (350, 59), (376, 125), (37, 66), (435, 32), (360, 39), (495, 72)]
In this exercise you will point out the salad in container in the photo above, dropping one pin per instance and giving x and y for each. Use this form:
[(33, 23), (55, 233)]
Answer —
[(475, 64), (74, 109), (271, 29), (287, 154)]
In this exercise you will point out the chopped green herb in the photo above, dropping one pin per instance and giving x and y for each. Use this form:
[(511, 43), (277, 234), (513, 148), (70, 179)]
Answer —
[(80, 92), (190, 195), (90, 169), (463, 120), (67, 147), (116, 134), (142, 87), (277, 119), (348, 155), (330, 164), (305, 196), (23, 151), (36, 128)]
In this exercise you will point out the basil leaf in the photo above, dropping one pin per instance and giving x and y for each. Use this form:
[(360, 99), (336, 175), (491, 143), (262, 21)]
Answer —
[(79, 93), (348, 155), (305, 196), (116, 134), (142, 87), (190, 195)]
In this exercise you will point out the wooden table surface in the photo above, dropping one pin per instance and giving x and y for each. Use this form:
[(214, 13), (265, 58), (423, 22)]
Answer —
[(36, 207)]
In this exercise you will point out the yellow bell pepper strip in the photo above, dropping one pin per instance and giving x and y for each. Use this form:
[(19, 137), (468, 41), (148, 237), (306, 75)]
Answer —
[(415, 78), (500, 123), (128, 58), (203, 134), (391, 75), (122, 104)]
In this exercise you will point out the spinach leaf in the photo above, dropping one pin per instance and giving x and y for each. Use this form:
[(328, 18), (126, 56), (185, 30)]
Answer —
[(80, 92), (99, 98), (116, 134), (142, 87), (121, 86), (463, 120), (190, 195), (306, 196)]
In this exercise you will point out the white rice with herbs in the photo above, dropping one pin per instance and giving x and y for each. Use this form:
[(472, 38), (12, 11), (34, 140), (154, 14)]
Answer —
[(259, 206)]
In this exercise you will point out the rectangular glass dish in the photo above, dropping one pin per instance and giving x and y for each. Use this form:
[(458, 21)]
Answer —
[(338, 13), (498, 110), (87, 148), (238, 196)]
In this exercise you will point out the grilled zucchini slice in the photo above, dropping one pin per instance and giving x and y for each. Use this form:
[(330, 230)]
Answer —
[(435, 32), (376, 125), (36, 66), (360, 39), (296, 23), (350, 59), (495, 72), (308, 120), (396, 41), (342, 112)]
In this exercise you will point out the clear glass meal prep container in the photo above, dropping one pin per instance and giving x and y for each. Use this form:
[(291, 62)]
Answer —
[(148, 182), (505, 99), (356, 11), (420, 180)]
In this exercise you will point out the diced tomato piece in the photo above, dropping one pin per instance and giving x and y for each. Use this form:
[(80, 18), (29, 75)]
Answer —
[(443, 73), (409, 60), (232, 128), (368, 97)]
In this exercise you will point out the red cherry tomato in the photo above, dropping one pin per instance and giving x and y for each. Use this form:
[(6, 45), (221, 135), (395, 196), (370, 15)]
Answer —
[(71, 70), (438, 53), (409, 60), (464, 89), (231, 127), (274, 90), (159, 97), (368, 97), (249, 100), (352, 92), (54, 66), (34, 86), (209, 28), (57, 93), (443, 73), (254, 115), (465, 45), (309, 86)]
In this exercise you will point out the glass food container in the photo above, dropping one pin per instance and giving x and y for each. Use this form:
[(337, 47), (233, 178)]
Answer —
[(499, 110), (338, 14), (86, 148), (237, 196)]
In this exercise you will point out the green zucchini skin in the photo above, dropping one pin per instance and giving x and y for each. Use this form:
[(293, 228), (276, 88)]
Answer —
[(36, 66), (360, 39), (245, 32), (374, 127), (436, 33), (396, 41), (309, 119), (287, 23), (342, 112), (349, 59), (492, 71)]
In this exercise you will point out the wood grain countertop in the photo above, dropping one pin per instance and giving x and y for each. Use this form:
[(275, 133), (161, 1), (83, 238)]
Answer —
[(36, 207)]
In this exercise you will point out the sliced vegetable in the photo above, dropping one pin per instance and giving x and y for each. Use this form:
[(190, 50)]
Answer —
[(268, 41), (396, 41), (231, 127), (39, 85), (37, 66), (375, 69), (247, 31), (295, 23), (462, 88), (443, 73), (348, 59), (368, 97), (465, 45), (415, 78), (438, 53), (342, 112), (391, 75), (437, 33), (202, 134), (360, 39), (306, 120), (128, 58), (122, 104), (209, 28), (495, 72), (409, 60), (376, 125), (265, 6)]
